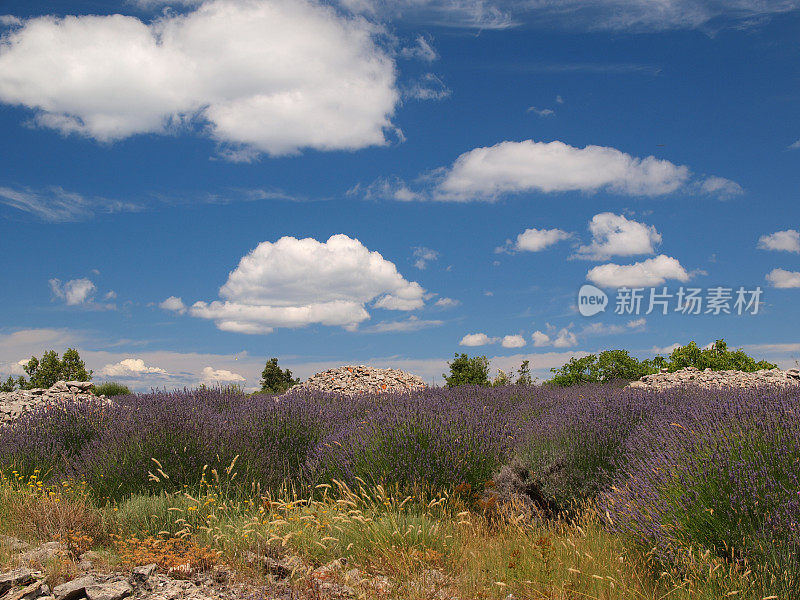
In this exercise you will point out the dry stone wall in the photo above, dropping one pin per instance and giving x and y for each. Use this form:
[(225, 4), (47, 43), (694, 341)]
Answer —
[(718, 379), (15, 404)]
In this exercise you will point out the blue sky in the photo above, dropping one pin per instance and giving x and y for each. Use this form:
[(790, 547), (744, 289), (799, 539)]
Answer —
[(187, 189)]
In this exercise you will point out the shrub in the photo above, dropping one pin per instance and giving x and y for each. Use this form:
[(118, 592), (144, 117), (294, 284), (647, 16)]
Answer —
[(111, 388), (717, 357), (606, 367), (716, 471)]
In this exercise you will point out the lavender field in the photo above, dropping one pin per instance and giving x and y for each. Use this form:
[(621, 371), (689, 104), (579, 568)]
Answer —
[(677, 476)]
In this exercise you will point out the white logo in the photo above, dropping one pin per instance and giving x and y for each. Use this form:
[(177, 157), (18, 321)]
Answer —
[(591, 300)]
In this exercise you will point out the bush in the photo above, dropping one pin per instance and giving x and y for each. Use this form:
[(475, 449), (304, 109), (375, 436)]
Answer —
[(716, 471), (468, 371), (111, 388), (717, 358)]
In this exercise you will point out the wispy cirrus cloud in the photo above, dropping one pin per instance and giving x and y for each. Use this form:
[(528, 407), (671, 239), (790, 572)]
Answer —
[(57, 205)]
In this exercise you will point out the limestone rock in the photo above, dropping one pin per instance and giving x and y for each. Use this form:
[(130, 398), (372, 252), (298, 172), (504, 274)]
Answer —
[(15, 404), (75, 589), (361, 379), (718, 379)]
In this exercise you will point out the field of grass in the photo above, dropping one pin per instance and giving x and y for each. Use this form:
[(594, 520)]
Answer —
[(591, 492)]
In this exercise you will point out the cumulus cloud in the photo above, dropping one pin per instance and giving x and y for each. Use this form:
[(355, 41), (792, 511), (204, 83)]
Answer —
[(74, 291), (719, 186), (787, 241), (565, 339), (650, 272), (424, 256), (130, 367), (614, 235), (271, 76), (295, 282), (534, 240), (212, 376), (477, 339), (175, 304), (529, 166), (447, 302), (513, 341), (540, 339), (781, 278)]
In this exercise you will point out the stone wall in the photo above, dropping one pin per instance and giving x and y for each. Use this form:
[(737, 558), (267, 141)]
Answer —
[(16, 403), (718, 379), (362, 380)]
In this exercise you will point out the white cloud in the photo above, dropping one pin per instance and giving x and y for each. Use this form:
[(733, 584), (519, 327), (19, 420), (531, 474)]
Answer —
[(602, 329), (719, 186), (57, 205), (293, 283), (427, 87), (513, 341), (212, 376), (447, 302), (614, 235), (529, 166), (540, 339), (272, 76), (465, 14), (637, 323), (787, 241), (542, 112), (565, 339), (413, 323), (130, 367), (535, 240), (424, 256), (781, 278), (795, 145), (666, 350), (74, 291), (477, 339), (175, 304), (651, 272), (422, 49)]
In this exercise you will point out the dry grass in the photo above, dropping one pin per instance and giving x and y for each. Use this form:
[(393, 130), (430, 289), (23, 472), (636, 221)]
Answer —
[(425, 544)]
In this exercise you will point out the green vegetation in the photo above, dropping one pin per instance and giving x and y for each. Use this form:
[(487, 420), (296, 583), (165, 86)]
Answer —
[(111, 388), (46, 372), (618, 365), (275, 381), (468, 371)]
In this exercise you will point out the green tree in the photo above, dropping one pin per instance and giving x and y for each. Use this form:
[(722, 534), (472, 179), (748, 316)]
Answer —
[(274, 380), (50, 369), (73, 368), (524, 374), (468, 371), (8, 385)]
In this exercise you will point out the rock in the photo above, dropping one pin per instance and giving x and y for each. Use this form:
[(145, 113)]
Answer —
[(14, 404), (80, 385), (40, 555), (75, 589), (27, 593), (13, 578), (351, 380), (116, 590), (718, 379), (143, 573)]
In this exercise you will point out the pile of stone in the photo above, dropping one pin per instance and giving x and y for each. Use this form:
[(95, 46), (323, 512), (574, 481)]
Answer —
[(718, 379), (350, 380), (14, 404)]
